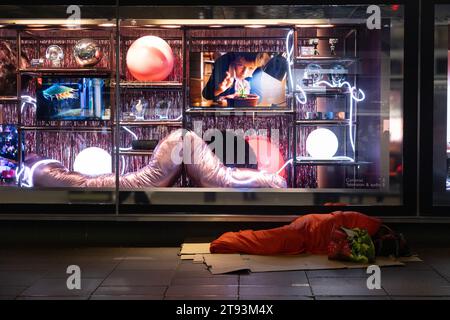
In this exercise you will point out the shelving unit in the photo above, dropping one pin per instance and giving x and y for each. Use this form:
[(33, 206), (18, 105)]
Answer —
[(348, 60), (106, 126)]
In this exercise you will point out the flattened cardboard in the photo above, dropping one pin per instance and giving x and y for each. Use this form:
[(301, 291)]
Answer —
[(224, 263), (194, 248), (187, 256)]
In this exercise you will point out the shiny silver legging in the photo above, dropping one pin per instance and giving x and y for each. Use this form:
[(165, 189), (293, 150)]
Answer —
[(180, 148)]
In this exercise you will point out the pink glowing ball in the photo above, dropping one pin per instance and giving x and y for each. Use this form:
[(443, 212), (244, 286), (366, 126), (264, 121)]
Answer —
[(150, 58)]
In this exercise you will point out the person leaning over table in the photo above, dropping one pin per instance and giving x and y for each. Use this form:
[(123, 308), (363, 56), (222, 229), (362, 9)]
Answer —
[(230, 68)]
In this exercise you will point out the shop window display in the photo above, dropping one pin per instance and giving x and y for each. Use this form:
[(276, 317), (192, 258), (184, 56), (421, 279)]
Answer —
[(311, 102)]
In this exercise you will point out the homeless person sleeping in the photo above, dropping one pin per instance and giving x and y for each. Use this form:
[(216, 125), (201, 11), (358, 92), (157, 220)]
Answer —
[(343, 235)]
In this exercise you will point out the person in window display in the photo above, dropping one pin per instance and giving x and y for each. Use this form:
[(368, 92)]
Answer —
[(234, 71), (179, 149)]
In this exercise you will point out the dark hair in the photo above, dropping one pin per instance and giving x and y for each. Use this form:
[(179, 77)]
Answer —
[(390, 243), (259, 58)]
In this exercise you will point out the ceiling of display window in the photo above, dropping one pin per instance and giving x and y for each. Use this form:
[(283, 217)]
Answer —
[(198, 15)]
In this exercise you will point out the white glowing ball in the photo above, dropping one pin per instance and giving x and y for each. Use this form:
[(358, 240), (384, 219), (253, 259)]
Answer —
[(93, 161), (322, 144)]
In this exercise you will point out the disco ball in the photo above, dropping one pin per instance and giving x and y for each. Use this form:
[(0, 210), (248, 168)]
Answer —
[(87, 52), (150, 58)]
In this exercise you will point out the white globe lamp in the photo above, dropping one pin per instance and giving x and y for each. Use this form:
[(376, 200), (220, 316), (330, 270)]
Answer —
[(322, 144), (93, 161)]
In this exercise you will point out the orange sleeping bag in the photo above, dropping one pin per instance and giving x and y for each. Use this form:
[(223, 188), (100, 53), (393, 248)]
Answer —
[(307, 234)]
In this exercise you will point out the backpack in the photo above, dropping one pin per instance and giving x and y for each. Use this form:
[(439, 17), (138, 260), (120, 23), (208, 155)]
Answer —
[(390, 243)]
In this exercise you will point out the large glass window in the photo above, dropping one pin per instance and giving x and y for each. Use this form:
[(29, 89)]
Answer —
[(441, 123), (182, 108), (302, 106)]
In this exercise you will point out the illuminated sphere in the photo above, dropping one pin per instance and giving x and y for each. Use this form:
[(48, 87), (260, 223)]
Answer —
[(87, 52), (93, 161), (322, 144), (268, 156), (150, 58)]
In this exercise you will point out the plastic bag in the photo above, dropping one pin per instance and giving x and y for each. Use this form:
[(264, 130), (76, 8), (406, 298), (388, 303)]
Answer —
[(351, 245)]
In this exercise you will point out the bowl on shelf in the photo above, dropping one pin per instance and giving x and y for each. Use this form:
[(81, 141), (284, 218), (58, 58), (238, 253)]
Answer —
[(249, 100)]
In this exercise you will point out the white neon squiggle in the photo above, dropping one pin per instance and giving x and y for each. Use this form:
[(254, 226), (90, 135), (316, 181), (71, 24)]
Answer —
[(18, 173), (284, 165), (360, 96), (124, 162), (131, 132), (27, 99), (290, 58)]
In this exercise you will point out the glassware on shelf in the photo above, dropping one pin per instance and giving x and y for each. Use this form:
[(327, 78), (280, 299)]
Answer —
[(314, 42), (306, 49), (139, 109), (106, 114), (337, 74), (313, 71), (162, 109), (332, 42), (55, 54), (37, 63), (128, 116)]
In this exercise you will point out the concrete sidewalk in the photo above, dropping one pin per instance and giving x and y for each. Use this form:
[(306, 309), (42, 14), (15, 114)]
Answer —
[(158, 273)]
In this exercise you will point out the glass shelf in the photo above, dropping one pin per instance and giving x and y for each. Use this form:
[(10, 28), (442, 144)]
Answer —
[(9, 99), (323, 122), (225, 111), (345, 61), (322, 90), (169, 123), (66, 129), (336, 161), (168, 85), (81, 71), (136, 153)]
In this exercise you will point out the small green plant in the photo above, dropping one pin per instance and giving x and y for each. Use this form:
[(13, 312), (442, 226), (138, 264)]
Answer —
[(241, 89), (241, 93)]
